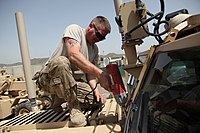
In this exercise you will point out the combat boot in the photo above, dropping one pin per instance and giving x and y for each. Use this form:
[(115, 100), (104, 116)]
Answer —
[(77, 118)]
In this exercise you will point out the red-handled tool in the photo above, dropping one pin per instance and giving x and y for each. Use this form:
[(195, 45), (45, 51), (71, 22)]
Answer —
[(117, 87)]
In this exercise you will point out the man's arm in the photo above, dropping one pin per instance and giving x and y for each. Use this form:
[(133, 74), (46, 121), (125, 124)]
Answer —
[(76, 57)]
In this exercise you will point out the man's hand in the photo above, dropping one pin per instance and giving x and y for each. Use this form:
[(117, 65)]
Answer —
[(105, 81), (98, 95)]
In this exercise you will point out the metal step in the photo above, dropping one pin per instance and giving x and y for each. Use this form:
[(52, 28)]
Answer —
[(46, 116)]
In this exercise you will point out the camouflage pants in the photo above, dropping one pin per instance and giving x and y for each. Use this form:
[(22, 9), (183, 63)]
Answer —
[(57, 79)]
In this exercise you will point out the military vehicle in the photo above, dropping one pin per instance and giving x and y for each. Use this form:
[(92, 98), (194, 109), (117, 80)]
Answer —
[(14, 97), (11, 90), (162, 92)]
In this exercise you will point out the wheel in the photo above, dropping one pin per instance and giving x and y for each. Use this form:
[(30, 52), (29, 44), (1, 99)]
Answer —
[(46, 102), (22, 108)]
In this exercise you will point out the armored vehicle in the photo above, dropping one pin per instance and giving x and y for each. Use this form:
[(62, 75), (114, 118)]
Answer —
[(14, 97), (162, 90)]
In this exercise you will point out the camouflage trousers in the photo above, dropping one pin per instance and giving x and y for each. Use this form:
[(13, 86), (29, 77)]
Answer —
[(57, 79)]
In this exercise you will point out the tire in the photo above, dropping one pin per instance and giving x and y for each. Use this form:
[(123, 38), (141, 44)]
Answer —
[(22, 108), (46, 102)]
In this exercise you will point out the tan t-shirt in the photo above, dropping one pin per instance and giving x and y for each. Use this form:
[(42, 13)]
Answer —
[(78, 33)]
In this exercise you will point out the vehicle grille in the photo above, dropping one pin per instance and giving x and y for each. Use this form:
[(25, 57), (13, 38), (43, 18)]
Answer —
[(37, 117)]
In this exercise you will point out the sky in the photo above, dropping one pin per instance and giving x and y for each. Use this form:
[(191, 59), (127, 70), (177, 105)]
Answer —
[(45, 21)]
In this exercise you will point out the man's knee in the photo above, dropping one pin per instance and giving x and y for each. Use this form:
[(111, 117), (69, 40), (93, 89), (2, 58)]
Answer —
[(84, 93), (60, 66), (84, 86), (60, 61)]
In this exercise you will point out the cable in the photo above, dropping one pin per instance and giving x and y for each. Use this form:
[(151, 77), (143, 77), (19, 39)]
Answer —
[(86, 97), (156, 32)]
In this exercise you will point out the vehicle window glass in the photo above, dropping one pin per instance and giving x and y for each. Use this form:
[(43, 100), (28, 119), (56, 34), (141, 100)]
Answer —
[(173, 85)]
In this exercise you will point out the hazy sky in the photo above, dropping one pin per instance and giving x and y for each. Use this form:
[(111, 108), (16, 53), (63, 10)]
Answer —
[(46, 20)]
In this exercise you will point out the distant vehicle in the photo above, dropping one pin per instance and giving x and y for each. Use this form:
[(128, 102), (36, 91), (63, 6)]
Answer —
[(14, 98)]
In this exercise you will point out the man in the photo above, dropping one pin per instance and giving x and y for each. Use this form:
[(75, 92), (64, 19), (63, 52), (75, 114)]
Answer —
[(76, 53)]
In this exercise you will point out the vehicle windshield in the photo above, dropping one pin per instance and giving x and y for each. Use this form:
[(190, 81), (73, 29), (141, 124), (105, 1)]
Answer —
[(173, 85), (174, 70)]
